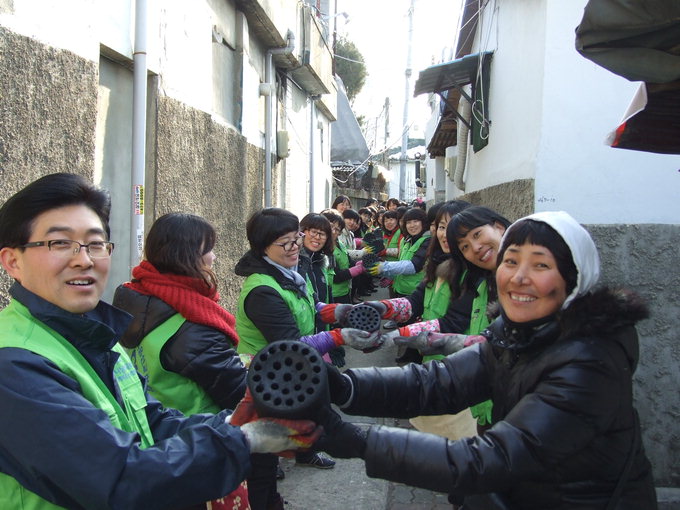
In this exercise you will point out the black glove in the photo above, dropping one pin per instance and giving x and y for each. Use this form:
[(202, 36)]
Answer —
[(337, 355), (341, 439), (339, 386)]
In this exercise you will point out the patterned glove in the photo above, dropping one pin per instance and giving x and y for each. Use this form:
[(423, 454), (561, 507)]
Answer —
[(429, 343), (385, 282), (356, 339), (334, 313), (398, 309), (274, 435)]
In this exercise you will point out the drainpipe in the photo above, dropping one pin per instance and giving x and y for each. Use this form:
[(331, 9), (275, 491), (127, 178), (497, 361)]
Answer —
[(312, 118), (465, 112), (268, 89), (138, 133)]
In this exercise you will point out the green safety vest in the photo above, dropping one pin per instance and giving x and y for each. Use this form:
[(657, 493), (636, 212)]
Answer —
[(341, 262), (251, 339), (170, 388), (18, 328), (436, 303), (393, 242), (405, 284)]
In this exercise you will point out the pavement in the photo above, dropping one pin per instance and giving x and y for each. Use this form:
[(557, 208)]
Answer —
[(346, 485)]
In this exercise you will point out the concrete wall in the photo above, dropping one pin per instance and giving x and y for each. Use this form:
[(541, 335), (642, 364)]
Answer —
[(644, 258), (48, 113)]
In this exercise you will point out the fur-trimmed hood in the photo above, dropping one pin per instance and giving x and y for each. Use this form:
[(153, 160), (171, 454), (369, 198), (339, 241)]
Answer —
[(609, 314)]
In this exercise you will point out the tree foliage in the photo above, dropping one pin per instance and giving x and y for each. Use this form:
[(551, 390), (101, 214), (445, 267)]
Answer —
[(350, 66)]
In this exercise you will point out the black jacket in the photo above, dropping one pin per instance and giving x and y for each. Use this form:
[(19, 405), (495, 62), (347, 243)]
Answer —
[(200, 353), (564, 422)]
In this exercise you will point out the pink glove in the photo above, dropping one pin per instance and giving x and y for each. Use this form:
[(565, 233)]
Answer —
[(357, 269)]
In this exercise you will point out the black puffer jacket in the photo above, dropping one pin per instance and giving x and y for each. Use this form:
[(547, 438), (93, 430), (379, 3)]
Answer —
[(564, 422), (197, 352)]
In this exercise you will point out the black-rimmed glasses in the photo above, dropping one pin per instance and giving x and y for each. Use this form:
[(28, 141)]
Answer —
[(288, 246), (317, 234), (68, 248)]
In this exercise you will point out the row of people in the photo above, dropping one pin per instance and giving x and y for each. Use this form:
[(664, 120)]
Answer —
[(84, 433)]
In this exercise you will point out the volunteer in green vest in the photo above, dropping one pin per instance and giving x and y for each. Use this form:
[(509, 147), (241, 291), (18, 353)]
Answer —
[(314, 266), (78, 429), (407, 272), (474, 236), (180, 338), (276, 302), (344, 263)]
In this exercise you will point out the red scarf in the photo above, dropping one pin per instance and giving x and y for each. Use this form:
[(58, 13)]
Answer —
[(191, 297)]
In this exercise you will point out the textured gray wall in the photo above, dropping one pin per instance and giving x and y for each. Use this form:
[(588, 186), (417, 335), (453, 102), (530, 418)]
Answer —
[(205, 168), (512, 199), (48, 112), (645, 258)]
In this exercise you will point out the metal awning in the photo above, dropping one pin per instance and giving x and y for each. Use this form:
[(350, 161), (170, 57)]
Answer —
[(447, 80), (449, 75)]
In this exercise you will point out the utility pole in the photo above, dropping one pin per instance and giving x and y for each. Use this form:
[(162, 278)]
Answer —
[(407, 93)]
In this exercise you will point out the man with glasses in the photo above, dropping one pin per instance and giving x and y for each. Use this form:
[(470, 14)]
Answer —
[(77, 428)]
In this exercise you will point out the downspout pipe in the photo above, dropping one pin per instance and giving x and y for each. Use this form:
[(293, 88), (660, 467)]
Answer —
[(465, 112), (312, 118), (268, 89), (139, 92)]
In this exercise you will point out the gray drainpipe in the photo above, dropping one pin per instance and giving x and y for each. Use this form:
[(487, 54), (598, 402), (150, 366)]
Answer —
[(138, 134), (268, 89)]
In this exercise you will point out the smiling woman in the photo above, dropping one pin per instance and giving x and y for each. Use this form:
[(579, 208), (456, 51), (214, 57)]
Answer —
[(559, 364)]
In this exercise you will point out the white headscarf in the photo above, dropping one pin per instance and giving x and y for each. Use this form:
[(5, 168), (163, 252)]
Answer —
[(578, 240)]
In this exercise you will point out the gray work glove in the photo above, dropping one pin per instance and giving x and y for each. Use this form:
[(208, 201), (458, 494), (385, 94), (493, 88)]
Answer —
[(357, 339), (429, 343)]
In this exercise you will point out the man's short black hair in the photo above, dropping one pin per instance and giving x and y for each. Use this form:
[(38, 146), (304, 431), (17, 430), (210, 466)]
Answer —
[(46, 193)]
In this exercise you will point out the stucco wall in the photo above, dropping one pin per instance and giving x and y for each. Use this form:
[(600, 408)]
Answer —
[(204, 167), (644, 258), (48, 105)]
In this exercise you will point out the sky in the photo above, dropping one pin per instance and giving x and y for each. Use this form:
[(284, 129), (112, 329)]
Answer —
[(380, 30)]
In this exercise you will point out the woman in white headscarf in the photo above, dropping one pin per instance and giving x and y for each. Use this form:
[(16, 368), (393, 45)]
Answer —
[(558, 364)]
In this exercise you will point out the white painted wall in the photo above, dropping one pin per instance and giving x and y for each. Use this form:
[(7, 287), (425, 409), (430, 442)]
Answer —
[(576, 171), (550, 110)]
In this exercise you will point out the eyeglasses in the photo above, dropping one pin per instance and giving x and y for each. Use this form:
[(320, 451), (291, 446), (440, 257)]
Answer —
[(336, 230), (317, 234), (67, 248), (288, 246)]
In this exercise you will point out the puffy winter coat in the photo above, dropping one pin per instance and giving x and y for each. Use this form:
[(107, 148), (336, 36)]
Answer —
[(564, 422), (200, 353)]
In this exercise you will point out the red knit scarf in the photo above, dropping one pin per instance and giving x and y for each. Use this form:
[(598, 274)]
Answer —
[(191, 297)]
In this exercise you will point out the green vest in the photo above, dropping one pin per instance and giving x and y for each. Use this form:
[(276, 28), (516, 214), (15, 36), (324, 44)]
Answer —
[(405, 284), (170, 388), (436, 303), (341, 262), (393, 242), (251, 339), (18, 328)]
